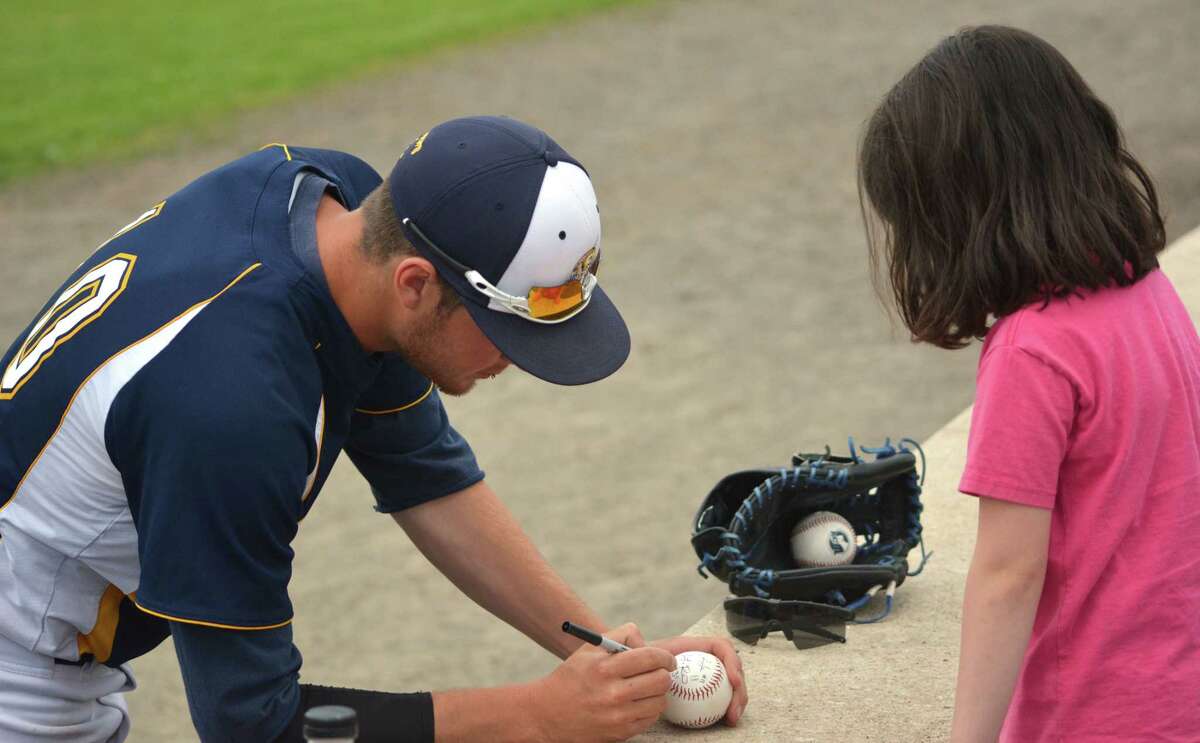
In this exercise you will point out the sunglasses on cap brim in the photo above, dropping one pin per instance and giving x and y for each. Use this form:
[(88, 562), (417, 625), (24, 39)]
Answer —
[(543, 304), (805, 623)]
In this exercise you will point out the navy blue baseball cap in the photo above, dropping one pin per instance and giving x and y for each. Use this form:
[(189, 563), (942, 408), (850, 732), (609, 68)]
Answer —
[(510, 220)]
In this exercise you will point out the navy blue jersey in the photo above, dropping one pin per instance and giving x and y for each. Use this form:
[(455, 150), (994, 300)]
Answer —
[(172, 412)]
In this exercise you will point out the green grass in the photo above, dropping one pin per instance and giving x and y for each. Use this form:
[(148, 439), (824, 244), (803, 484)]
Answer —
[(84, 81)]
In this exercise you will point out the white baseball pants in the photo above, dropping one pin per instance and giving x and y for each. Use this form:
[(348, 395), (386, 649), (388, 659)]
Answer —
[(42, 701)]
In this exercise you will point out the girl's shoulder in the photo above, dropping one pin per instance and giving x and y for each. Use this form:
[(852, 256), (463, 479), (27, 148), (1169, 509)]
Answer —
[(1094, 323)]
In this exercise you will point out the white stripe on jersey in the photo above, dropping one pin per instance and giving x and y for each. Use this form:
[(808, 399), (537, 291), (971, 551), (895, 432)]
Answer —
[(68, 524), (320, 435)]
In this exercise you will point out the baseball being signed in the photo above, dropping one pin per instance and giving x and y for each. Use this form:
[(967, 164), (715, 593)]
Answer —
[(700, 691)]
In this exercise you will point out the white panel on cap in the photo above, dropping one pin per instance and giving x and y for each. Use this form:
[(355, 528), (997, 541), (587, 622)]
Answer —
[(566, 203)]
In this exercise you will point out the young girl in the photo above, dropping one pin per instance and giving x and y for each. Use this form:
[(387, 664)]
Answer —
[(999, 193)]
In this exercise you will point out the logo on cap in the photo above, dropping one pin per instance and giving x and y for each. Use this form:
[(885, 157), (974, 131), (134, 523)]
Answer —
[(584, 265), (416, 146)]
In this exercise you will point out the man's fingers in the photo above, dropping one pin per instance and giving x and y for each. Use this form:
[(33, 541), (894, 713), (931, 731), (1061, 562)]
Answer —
[(640, 725), (723, 649), (718, 646), (634, 639), (737, 678), (640, 660), (648, 709), (628, 634), (650, 684)]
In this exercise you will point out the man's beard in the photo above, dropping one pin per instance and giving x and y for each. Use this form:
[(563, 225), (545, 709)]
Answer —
[(417, 352)]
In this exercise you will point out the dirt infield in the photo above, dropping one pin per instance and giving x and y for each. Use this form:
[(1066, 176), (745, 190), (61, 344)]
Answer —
[(721, 136)]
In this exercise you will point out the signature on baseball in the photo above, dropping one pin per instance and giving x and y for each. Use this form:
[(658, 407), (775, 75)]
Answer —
[(700, 691)]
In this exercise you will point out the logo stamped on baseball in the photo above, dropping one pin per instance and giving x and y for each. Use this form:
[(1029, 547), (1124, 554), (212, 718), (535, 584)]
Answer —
[(823, 539), (700, 691)]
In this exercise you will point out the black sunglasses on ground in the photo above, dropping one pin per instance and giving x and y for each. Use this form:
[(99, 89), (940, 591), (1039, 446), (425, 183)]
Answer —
[(805, 623)]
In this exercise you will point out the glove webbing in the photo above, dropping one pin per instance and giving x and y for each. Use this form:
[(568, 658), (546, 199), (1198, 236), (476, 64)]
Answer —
[(814, 475), (913, 518)]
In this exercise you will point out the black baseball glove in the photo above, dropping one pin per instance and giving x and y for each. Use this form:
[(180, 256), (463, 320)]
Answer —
[(742, 533)]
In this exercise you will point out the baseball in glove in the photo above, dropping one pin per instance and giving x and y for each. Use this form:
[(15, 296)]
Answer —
[(742, 531)]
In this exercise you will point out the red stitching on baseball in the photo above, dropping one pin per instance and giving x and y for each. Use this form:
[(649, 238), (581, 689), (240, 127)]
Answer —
[(713, 683), (702, 722), (690, 695)]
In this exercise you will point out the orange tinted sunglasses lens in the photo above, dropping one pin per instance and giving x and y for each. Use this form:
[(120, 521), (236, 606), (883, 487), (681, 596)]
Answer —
[(548, 303), (556, 302)]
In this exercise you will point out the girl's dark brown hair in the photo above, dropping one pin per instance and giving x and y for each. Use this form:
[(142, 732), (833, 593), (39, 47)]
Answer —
[(990, 177)]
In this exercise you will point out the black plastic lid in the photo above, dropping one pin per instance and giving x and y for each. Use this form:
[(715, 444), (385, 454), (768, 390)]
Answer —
[(330, 721)]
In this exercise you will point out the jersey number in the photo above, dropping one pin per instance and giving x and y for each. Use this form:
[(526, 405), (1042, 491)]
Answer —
[(78, 305)]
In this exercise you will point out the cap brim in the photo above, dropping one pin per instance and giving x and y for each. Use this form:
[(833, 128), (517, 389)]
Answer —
[(583, 349)]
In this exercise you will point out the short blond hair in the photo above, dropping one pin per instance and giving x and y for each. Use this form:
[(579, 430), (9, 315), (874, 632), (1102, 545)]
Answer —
[(384, 238)]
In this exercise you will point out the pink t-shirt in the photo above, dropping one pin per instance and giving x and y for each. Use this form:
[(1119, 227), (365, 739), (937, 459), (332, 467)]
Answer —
[(1091, 407)]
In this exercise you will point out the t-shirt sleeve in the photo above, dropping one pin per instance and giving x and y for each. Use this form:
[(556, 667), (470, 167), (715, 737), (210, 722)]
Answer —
[(214, 464), (1020, 426), (402, 442)]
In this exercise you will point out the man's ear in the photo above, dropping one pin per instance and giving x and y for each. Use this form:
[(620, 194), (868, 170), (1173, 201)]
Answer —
[(414, 280)]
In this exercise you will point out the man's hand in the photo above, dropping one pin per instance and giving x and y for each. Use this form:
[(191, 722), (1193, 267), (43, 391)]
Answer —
[(597, 696), (723, 649)]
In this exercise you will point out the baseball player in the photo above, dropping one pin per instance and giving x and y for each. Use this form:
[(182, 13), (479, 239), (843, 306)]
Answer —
[(171, 413)]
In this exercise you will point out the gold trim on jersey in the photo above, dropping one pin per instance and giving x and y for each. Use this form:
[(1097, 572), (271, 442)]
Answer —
[(406, 406), (100, 366), (147, 215), (99, 641), (160, 615), (287, 153)]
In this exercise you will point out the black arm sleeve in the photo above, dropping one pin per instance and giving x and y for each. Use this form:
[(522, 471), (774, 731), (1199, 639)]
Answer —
[(382, 717), (243, 685)]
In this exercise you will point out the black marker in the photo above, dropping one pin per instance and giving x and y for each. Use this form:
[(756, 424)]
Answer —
[(594, 638)]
